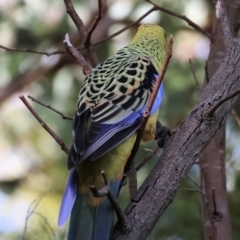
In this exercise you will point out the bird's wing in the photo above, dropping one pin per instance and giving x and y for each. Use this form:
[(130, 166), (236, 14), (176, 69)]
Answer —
[(111, 104)]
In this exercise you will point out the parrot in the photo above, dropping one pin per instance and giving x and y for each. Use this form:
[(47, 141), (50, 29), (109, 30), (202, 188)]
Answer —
[(109, 112)]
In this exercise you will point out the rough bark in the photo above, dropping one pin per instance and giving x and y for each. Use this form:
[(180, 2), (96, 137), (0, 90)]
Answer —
[(158, 191), (216, 218)]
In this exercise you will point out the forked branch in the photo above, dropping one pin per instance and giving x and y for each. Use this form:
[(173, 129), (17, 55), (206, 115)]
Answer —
[(76, 55), (81, 30), (51, 108), (45, 126), (95, 23)]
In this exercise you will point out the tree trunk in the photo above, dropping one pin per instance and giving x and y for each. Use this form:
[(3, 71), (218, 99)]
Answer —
[(216, 219)]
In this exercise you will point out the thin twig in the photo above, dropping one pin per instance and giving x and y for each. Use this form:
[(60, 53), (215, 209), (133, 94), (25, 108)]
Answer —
[(235, 116), (194, 76), (215, 107), (187, 20), (191, 189), (93, 44), (132, 178), (76, 55), (150, 150), (45, 126), (51, 108), (127, 27), (145, 160), (146, 113), (47, 223), (81, 30), (95, 23), (196, 184), (31, 210), (10, 49), (76, 19), (206, 72)]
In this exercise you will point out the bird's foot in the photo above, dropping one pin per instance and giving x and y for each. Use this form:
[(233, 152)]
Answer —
[(123, 223), (162, 135), (103, 192)]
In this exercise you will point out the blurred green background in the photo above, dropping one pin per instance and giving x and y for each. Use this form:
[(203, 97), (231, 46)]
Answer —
[(32, 163)]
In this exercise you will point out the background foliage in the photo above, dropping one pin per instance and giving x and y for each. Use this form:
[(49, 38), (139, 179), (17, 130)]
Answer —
[(30, 160)]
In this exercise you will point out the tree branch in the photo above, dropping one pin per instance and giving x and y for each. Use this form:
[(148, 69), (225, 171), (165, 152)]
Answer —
[(34, 204), (20, 81), (10, 49), (235, 116), (146, 159), (81, 30), (183, 149), (187, 20), (146, 114), (212, 158), (127, 27), (95, 23), (191, 190), (47, 224), (76, 55), (45, 126), (51, 108), (93, 44), (195, 183), (221, 14), (194, 76)]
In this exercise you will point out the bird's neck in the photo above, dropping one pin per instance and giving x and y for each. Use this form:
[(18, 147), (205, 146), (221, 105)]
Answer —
[(151, 49)]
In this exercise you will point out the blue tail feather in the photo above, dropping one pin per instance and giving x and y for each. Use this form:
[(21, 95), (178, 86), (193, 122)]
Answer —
[(87, 222), (69, 197)]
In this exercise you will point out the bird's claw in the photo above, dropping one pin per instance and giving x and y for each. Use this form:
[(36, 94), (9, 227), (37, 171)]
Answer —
[(123, 223), (162, 135), (104, 190)]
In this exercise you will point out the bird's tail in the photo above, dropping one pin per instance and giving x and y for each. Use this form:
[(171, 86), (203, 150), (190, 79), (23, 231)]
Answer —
[(87, 222)]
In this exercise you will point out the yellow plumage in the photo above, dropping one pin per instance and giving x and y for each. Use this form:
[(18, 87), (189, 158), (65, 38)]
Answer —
[(113, 165), (113, 96), (150, 129)]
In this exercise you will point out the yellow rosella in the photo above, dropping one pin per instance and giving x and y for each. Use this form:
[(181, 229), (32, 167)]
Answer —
[(109, 112)]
